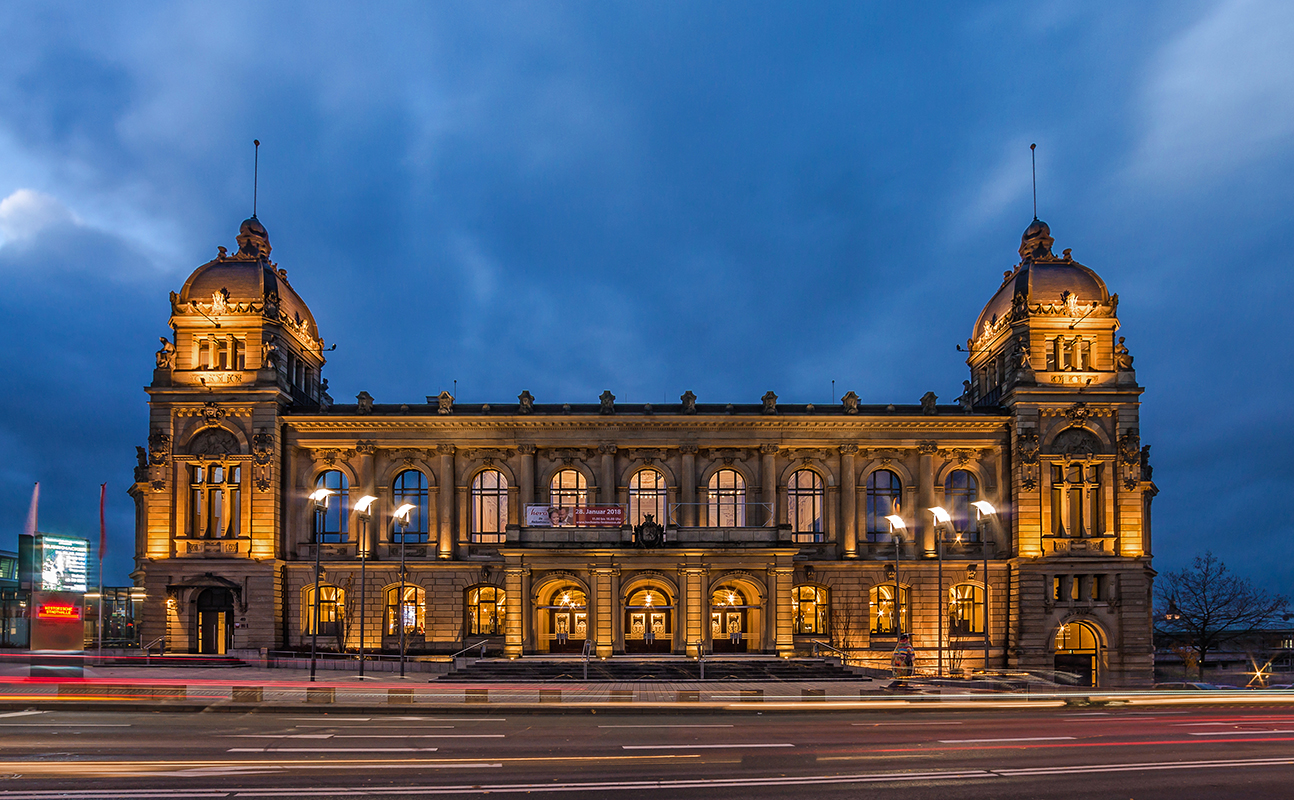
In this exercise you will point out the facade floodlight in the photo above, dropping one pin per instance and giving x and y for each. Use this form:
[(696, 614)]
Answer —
[(365, 503)]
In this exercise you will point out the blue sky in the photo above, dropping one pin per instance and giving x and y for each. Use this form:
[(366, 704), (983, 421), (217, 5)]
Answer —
[(654, 197)]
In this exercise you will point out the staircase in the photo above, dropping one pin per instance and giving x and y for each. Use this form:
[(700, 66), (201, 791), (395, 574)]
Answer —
[(620, 668)]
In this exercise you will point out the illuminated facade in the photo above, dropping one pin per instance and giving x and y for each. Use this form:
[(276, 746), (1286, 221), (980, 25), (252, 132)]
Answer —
[(774, 516)]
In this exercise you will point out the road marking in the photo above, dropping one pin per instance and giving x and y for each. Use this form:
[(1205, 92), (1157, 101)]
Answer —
[(332, 750), (1019, 739), (35, 724), (696, 746), (21, 713), (1230, 733), (664, 726)]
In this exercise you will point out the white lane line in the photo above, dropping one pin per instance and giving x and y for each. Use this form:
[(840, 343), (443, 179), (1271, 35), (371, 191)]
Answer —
[(332, 750), (664, 726), (697, 746), (1018, 739), (1230, 733), (21, 713)]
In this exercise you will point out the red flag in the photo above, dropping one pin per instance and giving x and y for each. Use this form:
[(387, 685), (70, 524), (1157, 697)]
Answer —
[(103, 526)]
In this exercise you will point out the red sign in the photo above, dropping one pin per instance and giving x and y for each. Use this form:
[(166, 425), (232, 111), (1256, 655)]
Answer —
[(71, 613)]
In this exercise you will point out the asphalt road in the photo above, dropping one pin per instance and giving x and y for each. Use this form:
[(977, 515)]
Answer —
[(1176, 753)]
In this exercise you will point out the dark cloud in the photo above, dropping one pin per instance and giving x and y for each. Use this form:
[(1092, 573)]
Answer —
[(721, 197)]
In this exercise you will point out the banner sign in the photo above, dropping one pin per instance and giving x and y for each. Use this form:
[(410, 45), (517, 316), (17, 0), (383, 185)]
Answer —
[(546, 516), (62, 562), (62, 611)]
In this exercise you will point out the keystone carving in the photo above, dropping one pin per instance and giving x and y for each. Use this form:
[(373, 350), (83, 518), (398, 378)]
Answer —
[(212, 413)]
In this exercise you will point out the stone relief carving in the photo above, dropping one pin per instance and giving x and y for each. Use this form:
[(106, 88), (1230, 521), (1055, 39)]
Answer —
[(526, 402), (608, 401), (1076, 442), (687, 449), (214, 442), (159, 447), (220, 302), (526, 449), (212, 413), (1122, 358), (927, 447), (262, 459), (1146, 469), (966, 400), (848, 449), (366, 447), (141, 464), (1027, 450), (445, 449), (1078, 413), (770, 402), (689, 402), (365, 402), (850, 402), (270, 352), (444, 403), (768, 449)]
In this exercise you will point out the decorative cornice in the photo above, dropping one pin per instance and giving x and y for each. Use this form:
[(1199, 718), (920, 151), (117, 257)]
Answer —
[(910, 425)]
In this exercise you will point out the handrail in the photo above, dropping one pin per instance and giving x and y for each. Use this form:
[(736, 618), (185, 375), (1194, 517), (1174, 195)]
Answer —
[(481, 644), (148, 649), (586, 652), (819, 644), (700, 655)]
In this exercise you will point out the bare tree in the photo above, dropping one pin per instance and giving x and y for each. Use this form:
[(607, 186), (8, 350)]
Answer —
[(1204, 606)]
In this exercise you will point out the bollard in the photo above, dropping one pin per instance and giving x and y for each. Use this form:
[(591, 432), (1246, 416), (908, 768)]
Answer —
[(622, 695), (248, 694), (813, 694), (320, 694), (550, 695), (476, 696), (399, 696)]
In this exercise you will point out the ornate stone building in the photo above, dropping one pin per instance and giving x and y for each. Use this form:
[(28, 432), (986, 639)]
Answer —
[(530, 526)]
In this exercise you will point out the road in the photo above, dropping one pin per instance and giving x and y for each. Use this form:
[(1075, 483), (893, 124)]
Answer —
[(1178, 753)]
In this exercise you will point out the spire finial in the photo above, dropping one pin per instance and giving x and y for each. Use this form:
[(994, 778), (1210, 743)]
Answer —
[(1033, 159), (255, 175)]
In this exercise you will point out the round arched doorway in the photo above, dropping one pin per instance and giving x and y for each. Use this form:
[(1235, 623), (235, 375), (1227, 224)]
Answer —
[(564, 621), (734, 620), (649, 621), (1077, 653)]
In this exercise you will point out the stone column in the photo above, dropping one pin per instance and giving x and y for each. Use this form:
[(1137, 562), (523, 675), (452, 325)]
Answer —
[(513, 624), (366, 470), (779, 589), (768, 481), (848, 536), (696, 623), (445, 504), (925, 497), (527, 478), (687, 516), (617, 615), (608, 473), (602, 609), (527, 606)]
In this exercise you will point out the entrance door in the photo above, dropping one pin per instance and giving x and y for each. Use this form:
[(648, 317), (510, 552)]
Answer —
[(215, 611), (648, 618), (729, 621), (1077, 648)]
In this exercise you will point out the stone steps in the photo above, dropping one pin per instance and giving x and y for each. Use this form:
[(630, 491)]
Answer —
[(525, 670)]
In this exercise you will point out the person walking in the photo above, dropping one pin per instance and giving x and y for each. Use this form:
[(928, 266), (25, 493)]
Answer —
[(903, 662)]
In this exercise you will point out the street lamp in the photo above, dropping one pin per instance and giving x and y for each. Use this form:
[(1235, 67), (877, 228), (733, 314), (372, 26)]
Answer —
[(942, 517), (362, 508), (985, 511), (401, 516), (320, 498), (896, 526)]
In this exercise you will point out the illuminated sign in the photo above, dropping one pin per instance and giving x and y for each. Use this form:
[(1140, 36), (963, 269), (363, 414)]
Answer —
[(63, 561), (546, 516), (58, 611)]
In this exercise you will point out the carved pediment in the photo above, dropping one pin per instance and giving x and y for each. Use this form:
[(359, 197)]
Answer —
[(214, 442), (1076, 442)]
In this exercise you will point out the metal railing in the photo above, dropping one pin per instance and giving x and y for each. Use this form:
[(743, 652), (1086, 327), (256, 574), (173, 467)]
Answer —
[(148, 649), (586, 652), (481, 644), (818, 645), (700, 656)]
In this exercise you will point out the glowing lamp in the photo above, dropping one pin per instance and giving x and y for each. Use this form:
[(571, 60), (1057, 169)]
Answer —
[(896, 521), (365, 503), (402, 513), (941, 514), (984, 507), (321, 495)]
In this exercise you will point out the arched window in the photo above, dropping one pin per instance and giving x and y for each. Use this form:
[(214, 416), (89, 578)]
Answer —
[(960, 490), (804, 505), (568, 488), (215, 492), (413, 610), (727, 499), (647, 496), (884, 620), (884, 494), (809, 609), (489, 522), (332, 610), (336, 516), (966, 610), (485, 611), (410, 487)]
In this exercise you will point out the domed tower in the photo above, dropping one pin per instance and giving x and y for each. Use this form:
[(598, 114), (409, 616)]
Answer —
[(245, 350), (1046, 348)]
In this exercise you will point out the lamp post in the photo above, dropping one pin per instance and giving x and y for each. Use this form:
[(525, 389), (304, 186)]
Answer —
[(320, 498), (985, 510), (362, 508), (402, 517), (896, 525), (942, 517)]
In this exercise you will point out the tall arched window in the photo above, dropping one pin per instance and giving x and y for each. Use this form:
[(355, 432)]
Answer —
[(568, 488), (809, 609), (804, 505), (413, 610), (884, 494), (647, 496), (885, 622), (332, 610), (410, 487), (727, 504), (485, 611), (336, 517), (1076, 499), (966, 610), (960, 490), (489, 522)]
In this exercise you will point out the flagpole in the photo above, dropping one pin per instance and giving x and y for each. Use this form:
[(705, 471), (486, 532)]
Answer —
[(103, 534)]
